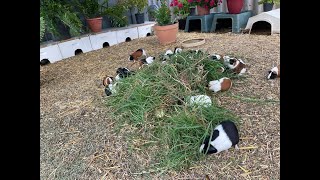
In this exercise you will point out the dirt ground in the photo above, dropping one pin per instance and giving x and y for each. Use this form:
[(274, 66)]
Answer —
[(77, 141)]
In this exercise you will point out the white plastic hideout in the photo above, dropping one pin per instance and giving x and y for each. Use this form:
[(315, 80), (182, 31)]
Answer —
[(59, 50)]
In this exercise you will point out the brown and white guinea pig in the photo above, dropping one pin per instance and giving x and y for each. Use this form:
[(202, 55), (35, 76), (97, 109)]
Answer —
[(236, 65), (274, 72), (224, 136), (137, 54), (222, 84), (107, 80)]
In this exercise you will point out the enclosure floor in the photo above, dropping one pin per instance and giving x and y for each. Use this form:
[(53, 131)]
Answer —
[(77, 141)]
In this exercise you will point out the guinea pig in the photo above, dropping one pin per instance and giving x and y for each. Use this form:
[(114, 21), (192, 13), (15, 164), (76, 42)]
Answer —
[(177, 50), (107, 80), (215, 57), (166, 56), (222, 84), (224, 136), (274, 72), (200, 100), (137, 54), (236, 65), (122, 73), (146, 61)]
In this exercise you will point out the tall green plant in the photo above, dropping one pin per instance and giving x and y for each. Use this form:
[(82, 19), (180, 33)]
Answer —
[(90, 8), (163, 14), (117, 15), (59, 11)]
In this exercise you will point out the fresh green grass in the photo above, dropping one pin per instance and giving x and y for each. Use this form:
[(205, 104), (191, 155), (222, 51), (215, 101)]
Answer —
[(149, 99)]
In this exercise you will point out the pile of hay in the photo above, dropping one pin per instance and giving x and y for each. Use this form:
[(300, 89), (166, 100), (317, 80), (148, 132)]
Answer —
[(149, 101)]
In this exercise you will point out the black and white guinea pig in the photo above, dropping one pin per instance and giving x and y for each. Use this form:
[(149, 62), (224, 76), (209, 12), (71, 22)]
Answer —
[(107, 91), (274, 72), (215, 57), (122, 73), (222, 84), (166, 56), (111, 89), (177, 50), (224, 136), (107, 80), (236, 65), (146, 61), (137, 54)]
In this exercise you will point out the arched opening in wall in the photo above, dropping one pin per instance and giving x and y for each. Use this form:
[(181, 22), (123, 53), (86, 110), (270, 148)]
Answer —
[(78, 51), (44, 62), (148, 34), (224, 25), (105, 44), (128, 39), (194, 25), (261, 28)]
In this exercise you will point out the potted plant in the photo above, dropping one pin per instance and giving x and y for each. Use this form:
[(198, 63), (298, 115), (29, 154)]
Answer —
[(181, 8), (140, 5), (204, 6), (166, 28), (92, 11), (268, 4), (117, 15), (61, 20)]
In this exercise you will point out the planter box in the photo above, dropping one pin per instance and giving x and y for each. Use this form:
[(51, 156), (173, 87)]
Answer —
[(123, 34), (52, 53), (144, 30), (97, 40), (68, 48)]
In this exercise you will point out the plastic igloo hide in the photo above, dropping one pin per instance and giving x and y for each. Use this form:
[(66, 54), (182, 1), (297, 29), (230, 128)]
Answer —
[(272, 17)]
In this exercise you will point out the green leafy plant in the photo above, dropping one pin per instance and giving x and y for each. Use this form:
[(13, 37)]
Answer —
[(90, 8), (163, 14), (60, 11), (139, 4), (42, 27), (117, 15), (277, 2)]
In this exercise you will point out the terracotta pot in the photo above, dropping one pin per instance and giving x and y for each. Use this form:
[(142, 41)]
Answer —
[(166, 34), (202, 11), (95, 24), (234, 6)]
